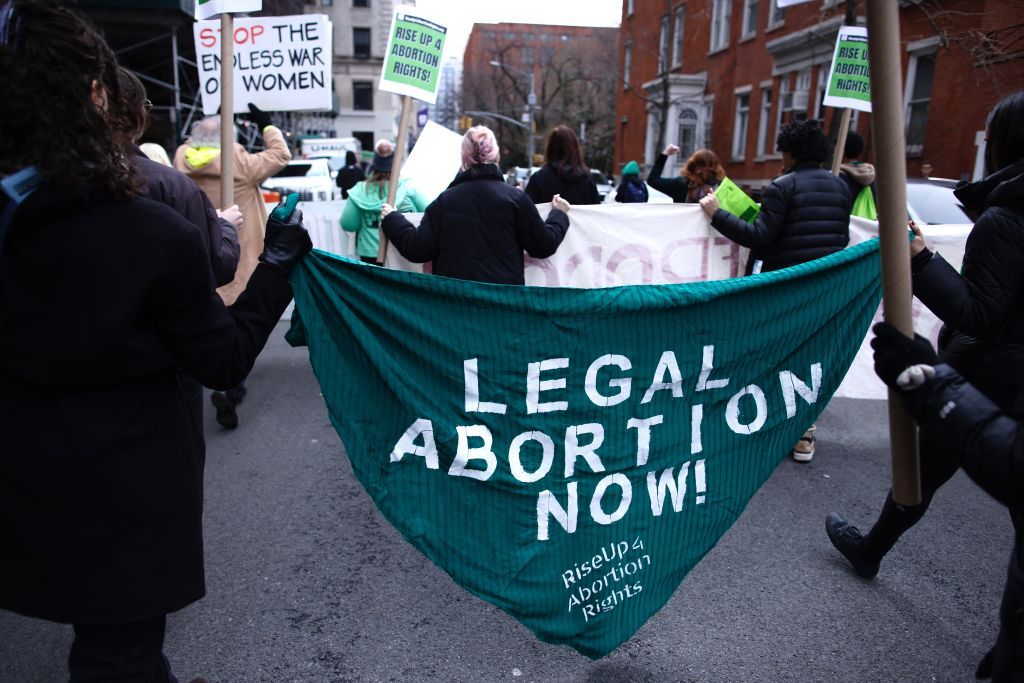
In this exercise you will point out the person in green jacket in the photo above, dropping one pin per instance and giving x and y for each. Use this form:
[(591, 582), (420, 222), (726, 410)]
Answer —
[(361, 214)]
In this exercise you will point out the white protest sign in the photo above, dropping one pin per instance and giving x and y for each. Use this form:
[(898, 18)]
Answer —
[(788, 3), (280, 63), (412, 61), (849, 79), (435, 160), (210, 8)]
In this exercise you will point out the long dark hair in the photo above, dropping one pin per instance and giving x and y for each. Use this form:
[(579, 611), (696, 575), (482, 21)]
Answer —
[(563, 151), (129, 117), (50, 57), (1005, 133)]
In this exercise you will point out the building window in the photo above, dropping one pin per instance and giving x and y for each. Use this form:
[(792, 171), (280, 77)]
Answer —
[(547, 55), (528, 56), (627, 64), (776, 15), (677, 39), (721, 17), (362, 95), (709, 111), (686, 137), (365, 138), (920, 73), (361, 43), (749, 19), (360, 3), (663, 45), (739, 137), (629, 8), (763, 141), (326, 3)]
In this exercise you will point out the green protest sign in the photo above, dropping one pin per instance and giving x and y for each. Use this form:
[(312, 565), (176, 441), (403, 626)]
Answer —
[(849, 79), (737, 202), (210, 8), (569, 455), (412, 62)]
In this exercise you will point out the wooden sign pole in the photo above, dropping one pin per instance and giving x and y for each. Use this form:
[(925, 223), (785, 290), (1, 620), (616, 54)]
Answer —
[(890, 150), (396, 168), (844, 130), (227, 112)]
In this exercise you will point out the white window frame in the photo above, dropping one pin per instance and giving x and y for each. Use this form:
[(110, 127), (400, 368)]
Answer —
[(678, 25), (663, 45), (721, 23), (709, 113), (629, 8), (741, 123), (923, 48), (775, 11), (748, 29), (764, 121)]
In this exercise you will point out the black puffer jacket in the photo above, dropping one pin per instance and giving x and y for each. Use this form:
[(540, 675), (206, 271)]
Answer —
[(175, 189), (573, 186), (983, 305), (805, 214), (477, 229), (991, 447)]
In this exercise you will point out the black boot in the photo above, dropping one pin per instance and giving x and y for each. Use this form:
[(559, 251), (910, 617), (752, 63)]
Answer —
[(850, 542), (226, 415)]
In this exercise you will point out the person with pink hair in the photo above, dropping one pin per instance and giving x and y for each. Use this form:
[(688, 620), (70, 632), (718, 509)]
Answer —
[(479, 227)]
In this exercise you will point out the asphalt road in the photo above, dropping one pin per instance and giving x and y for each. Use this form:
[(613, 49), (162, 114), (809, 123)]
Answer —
[(307, 582)]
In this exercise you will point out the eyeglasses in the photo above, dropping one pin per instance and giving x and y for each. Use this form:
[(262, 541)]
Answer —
[(148, 105)]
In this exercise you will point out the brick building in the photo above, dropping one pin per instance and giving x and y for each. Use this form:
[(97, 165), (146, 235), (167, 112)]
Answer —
[(726, 74), (571, 70)]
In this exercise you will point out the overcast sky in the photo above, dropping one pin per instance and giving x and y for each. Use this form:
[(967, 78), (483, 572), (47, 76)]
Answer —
[(461, 15)]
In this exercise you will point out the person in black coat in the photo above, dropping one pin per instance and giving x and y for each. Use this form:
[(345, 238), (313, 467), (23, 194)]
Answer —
[(701, 174), (478, 228), (988, 443), (106, 297), (350, 174), (805, 214), (563, 172), (982, 308), (172, 187)]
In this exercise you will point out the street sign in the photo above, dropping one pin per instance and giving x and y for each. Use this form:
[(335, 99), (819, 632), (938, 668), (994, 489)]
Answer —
[(412, 62), (211, 8), (849, 80)]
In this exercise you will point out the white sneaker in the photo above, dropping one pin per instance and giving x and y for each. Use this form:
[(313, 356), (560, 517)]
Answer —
[(803, 451)]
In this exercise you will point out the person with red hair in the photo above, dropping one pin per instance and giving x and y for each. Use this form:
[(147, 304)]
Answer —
[(701, 173)]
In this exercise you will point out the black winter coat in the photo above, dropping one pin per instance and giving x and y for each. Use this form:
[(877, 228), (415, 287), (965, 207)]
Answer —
[(805, 214), (983, 305), (629, 186), (347, 178), (574, 187), (175, 189), (477, 229), (677, 188), (101, 469), (991, 448)]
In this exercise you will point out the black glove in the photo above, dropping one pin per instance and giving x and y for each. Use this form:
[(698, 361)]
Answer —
[(259, 117), (895, 352), (285, 243)]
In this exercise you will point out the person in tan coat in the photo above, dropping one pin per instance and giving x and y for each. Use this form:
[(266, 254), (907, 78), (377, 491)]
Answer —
[(200, 159)]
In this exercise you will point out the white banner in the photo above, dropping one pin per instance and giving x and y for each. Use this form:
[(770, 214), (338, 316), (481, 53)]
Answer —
[(280, 63)]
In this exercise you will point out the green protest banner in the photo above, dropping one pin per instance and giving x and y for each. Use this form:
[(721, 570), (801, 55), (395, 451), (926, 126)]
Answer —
[(736, 201), (412, 62), (849, 79), (569, 455), (210, 8)]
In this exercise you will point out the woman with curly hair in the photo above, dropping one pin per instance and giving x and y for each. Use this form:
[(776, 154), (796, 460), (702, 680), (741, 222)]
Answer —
[(106, 300), (701, 174), (805, 214)]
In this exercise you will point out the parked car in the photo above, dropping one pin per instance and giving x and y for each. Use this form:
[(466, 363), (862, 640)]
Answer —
[(930, 201), (311, 178)]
